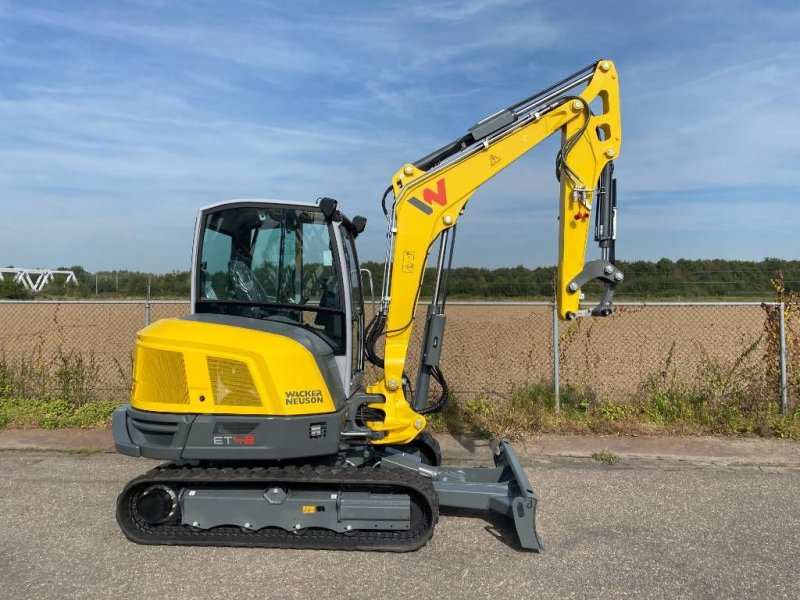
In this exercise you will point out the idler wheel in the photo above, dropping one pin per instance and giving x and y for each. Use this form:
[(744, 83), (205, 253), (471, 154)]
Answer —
[(157, 504)]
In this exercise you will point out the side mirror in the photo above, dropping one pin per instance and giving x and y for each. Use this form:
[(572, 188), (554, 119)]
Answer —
[(328, 207), (359, 223)]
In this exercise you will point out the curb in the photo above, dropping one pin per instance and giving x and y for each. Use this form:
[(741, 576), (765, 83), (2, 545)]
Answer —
[(701, 451), (58, 440)]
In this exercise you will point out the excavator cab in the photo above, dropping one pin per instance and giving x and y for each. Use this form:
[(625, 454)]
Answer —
[(284, 263), (273, 346)]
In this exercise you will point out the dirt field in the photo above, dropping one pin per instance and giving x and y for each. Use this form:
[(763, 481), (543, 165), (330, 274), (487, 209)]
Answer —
[(488, 348)]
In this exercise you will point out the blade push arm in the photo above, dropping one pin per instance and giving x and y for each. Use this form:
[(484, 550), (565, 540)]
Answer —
[(431, 194)]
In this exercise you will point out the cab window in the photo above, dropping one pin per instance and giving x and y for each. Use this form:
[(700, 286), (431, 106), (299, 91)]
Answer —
[(356, 299)]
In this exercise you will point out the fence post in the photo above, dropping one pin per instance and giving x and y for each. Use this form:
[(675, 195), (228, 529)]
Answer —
[(147, 313), (555, 358), (784, 390)]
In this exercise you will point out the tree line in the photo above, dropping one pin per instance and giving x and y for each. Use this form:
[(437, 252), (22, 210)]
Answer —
[(664, 279)]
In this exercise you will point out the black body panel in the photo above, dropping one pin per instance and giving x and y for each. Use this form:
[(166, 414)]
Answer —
[(177, 437)]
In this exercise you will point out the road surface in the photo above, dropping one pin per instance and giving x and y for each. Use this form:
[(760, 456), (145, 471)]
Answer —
[(640, 528)]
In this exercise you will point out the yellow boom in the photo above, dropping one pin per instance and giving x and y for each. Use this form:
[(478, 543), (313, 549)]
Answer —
[(431, 194)]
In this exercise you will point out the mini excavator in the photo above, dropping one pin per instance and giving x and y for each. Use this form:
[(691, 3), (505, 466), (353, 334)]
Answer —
[(259, 401)]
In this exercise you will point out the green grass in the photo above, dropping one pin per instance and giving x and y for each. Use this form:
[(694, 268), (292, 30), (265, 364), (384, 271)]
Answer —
[(605, 457), (665, 408), (27, 413), (50, 392), (81, 451)]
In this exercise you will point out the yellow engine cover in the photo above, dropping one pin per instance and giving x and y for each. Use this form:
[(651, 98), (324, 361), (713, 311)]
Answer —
[(183, 366)]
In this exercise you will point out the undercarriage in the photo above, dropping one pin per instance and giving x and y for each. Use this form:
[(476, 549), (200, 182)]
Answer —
[(362, 498), (325, 508)]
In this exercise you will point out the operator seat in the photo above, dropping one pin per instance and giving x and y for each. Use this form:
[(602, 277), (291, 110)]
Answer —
[(244, 283)]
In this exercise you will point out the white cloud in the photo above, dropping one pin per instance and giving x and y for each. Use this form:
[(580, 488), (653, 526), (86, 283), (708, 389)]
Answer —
[(459, 10), (118, 120), (735, 132)]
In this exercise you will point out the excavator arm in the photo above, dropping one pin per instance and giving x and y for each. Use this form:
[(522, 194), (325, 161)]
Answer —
[(431, 194)]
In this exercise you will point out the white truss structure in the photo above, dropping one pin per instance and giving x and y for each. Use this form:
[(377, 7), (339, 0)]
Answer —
[(34, 280)]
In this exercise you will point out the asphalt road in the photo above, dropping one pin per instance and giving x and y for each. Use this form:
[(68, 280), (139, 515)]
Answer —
[(636, 529)]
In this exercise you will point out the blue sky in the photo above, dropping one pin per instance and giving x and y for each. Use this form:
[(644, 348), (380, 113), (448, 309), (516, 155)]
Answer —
[(119, 119)]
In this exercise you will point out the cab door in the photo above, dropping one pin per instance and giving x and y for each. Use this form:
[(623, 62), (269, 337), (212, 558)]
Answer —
[(356, 298)]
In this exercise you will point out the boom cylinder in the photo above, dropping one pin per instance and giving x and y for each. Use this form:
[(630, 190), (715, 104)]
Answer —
[(434, 330)]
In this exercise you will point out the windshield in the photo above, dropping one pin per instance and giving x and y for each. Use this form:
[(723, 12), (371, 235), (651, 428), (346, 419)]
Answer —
[(274, 263)]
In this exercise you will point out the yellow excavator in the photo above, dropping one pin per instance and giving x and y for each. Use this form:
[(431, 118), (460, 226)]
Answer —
[(258, 399)]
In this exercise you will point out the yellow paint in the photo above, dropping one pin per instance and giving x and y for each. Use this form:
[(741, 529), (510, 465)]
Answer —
[(408, 262), (417, 230), (277, 365)]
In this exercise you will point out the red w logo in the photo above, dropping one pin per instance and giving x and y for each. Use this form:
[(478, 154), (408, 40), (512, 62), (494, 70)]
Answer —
[(439, 197)]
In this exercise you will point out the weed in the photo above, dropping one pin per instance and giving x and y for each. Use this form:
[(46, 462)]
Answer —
[(605, 457), (53, 414), (74, 377), (83, 451), (70, 376), (479, 406), (610, 411), (667, 405)]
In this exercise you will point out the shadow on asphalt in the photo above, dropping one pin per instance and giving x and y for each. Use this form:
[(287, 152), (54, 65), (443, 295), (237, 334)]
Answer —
[(499, 527)]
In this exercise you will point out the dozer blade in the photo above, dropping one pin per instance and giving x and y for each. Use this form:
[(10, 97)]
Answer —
[(504, 489)]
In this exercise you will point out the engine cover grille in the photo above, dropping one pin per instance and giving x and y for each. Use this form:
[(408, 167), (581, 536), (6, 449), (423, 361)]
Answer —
[(232, 383), (160, 377)]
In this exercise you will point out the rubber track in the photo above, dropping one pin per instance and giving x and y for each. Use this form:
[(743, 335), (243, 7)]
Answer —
[(418, 487)]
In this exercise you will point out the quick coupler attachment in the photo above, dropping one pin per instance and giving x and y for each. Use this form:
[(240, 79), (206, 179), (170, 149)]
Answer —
[(504, 489), (600, 270)]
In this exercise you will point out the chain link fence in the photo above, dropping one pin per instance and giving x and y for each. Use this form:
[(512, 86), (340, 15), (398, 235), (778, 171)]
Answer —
[(710, 347), (85, 348)]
